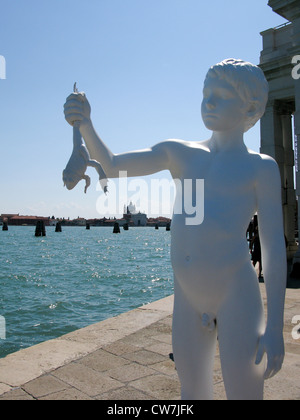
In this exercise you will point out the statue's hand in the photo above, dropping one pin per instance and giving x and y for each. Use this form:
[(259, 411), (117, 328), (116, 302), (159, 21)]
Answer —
[(77, 108), (271, 343)]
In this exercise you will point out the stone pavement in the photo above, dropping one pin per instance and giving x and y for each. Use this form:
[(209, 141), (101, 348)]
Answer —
[(127, 358)]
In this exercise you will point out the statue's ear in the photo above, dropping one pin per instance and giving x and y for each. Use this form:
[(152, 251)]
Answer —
[(253, 107)]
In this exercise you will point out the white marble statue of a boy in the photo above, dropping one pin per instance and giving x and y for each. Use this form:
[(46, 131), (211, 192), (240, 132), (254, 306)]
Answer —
[(217, 294)]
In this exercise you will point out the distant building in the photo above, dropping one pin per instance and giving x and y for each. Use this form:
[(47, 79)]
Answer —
[(17, 220), (6, 216), (159, 221), (80, 221), (132, 216), (139, 219)]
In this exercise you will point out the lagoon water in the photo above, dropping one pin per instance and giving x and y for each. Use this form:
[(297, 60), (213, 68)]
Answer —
[(52, 285)]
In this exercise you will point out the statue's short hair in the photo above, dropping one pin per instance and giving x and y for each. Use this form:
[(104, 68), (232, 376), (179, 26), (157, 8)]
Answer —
[(249, 82)]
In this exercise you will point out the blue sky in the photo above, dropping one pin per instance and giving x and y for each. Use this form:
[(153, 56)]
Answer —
[(142, 65)]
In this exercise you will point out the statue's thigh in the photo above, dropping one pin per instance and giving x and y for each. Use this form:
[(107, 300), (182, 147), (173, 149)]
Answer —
[(194, 351), (240, 325)]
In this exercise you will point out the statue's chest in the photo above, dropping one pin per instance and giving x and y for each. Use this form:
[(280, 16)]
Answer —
[(222, 175)]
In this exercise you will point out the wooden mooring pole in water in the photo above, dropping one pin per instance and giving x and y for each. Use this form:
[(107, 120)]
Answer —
[(116, 228), (40, 228), (58, 227)]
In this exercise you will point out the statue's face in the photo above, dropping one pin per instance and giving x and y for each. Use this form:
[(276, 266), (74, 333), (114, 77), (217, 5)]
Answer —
[(222, 108)]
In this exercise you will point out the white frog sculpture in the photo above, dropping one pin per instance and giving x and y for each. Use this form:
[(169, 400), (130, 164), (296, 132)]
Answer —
[(79, 161)]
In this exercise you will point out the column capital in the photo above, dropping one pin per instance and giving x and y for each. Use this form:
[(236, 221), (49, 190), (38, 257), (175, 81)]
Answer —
[(280, 107)]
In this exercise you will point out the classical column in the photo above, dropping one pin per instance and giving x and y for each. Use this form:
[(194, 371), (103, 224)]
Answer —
[(277, 142), (271, 134), (297, 134), (296, 31), (288, 196)]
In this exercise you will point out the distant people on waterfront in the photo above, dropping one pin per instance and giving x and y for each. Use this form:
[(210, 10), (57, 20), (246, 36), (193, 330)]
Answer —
[(251, 229), (255, 250), (254, 244)]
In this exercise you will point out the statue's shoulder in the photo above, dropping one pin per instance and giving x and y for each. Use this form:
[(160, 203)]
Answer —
[(177, 145), (263, 164)]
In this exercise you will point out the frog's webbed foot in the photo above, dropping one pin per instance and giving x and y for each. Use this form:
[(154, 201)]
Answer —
[(87, 182)]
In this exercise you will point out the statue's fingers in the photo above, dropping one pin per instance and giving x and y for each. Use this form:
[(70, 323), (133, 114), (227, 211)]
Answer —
[(72, 118), (80, 96), (72, 114), (73, 104), (72, 111), (270, 371), (260, 353), (274, 366), (73, 96), (72, 108)]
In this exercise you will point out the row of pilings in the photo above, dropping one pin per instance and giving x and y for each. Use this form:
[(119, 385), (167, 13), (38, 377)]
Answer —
[(40, 229), (126, 227)]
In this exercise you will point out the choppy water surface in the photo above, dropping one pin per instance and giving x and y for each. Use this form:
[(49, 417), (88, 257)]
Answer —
[(54, 285)]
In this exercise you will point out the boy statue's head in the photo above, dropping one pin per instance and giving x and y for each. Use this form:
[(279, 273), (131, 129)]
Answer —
[(248, 81)]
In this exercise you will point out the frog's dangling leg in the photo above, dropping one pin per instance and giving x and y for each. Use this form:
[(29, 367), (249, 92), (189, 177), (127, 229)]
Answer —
[(102, 176), (87, 182)]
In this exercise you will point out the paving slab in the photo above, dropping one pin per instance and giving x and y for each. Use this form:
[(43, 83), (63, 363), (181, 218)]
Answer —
[(127, 358)]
